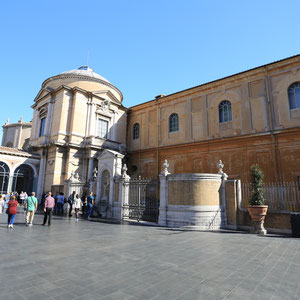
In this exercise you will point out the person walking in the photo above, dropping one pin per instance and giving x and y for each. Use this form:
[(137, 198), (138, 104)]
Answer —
[(11, 211), (77, 204), (22, 198), (31, 206), (55, 206), (49, 204), (90, 206), (70, 202), (60, 204), (7, 198), (2, 202)]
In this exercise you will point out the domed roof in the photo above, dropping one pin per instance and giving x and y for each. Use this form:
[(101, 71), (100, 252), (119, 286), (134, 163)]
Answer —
[(85, 71), (84, 78)]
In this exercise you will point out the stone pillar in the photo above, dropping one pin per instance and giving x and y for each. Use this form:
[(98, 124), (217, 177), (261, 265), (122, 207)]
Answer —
[(90, 168), (41, 179), (163, 206), (220, 166), (10, 183), (123, 194)]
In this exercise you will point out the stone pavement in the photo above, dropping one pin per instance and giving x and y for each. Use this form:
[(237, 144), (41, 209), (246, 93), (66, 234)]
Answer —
[(91, 260)]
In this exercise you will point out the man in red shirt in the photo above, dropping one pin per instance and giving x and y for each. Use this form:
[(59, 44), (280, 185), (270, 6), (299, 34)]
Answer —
[(49, 204)]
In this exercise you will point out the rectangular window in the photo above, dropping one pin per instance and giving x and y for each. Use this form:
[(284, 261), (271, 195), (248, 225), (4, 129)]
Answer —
[(102, 128), (42, 127)]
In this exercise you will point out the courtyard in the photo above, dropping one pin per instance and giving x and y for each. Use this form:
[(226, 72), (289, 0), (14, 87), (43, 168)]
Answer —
[(93, 260)]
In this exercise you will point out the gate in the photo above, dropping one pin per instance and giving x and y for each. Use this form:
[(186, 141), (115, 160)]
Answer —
[(143, 202)]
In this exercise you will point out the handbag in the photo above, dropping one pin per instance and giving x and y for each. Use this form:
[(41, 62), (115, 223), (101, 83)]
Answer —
[(9, 207)]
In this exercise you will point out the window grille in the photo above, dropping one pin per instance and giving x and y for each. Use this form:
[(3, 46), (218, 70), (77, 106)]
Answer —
[(225, 114), (294, 95), (136, 131), (173, 123)]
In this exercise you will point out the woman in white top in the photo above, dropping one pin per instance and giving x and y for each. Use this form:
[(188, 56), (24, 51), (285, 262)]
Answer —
[(1, 204), (77, 204)]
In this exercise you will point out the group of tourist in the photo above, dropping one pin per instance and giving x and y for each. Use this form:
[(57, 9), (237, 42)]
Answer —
[(50, 204)]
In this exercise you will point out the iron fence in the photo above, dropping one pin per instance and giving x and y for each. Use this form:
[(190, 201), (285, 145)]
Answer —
[(143, 204), (279, 196)]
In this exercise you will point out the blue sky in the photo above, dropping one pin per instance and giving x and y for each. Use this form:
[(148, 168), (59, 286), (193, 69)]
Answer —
[(145, 48)]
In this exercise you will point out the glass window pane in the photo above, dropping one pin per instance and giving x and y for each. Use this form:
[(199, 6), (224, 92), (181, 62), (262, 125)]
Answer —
[(297, 96), (102, 128), (42, 126), (292, 100)]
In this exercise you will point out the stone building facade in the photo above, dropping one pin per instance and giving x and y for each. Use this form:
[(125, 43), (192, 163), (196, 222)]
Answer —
[(250, 117), (80, 125)]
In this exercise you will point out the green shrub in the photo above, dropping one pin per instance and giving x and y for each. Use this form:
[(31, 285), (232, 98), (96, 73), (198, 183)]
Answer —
[(257, 177)]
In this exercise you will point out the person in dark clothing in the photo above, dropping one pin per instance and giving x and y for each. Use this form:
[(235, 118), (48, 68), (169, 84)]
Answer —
[(60, 204), (90, 206), (71, 201), (83, 200)]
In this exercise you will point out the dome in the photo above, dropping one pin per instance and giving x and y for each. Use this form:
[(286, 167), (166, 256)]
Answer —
[(85, 71), (84, 78)]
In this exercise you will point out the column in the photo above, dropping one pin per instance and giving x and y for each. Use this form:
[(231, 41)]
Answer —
[(123, 194), (90, 168), (163, 206), (41, 179), (10, 183), (223, 200)]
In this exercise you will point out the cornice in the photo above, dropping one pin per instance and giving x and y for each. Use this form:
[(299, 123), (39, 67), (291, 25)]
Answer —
[(245, 76), (211, 141)]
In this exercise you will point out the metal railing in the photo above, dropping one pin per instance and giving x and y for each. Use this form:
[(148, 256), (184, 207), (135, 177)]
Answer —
[(279, 196)]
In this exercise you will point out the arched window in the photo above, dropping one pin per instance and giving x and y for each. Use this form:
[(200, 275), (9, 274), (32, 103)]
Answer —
[(4, 177), (225, 114), (294, 95), (136, 131), (173, 123), (23, 179)]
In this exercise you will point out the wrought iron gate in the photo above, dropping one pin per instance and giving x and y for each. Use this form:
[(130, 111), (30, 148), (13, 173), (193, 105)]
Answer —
[(143, 202)]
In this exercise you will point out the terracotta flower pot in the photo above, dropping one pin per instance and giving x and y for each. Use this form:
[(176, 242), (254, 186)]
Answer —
[(258, 214)]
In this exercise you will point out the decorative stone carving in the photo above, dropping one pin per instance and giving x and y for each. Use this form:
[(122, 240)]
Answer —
[(95, 173), (220, 166), (74, 178), (105, 105), (124, 171), (165, 170)]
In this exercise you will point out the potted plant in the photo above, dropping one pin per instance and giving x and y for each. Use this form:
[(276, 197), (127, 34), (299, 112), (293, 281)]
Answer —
[(257, 210)]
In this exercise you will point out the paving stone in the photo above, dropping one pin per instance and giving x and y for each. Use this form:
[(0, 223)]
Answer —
[(90, 260)]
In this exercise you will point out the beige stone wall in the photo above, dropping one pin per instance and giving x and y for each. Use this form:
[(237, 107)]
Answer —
[(256, 96), (192, 192)]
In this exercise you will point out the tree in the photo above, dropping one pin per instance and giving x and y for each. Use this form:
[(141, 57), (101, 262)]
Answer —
[(257, 177)]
